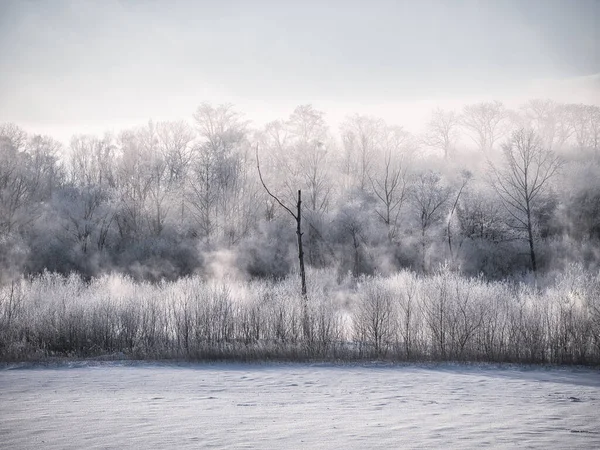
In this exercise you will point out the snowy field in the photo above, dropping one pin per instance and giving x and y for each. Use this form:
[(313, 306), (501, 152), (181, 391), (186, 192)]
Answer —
[(127, 405)]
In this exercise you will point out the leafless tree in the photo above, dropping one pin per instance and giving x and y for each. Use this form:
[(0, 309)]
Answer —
[(429, 197), (360, 135), (304, 150), (564, 126), (28, 175), (390, 177), (13, 136), (442, 130), (298, 218), (484, 123), (307, 124), (175, 141), (542, 116), (585, 125), (202, 193), (376, 318), (315, 166), (134, 178), (522, 181), (218, 172), (221, 126), (594, 112)]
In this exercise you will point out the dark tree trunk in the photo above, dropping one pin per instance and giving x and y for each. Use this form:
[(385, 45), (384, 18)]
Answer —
[(305, 321), (298, 218), (530, 238), (300, 249)]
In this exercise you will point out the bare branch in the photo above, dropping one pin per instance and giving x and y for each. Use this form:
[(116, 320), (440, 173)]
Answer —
[(267, 189)]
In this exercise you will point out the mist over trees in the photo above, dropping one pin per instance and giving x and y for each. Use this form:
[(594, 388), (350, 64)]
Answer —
[(477, 240), (486, 190)]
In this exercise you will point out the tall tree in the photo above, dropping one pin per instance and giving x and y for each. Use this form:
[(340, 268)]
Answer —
[(29, 172), (297, 216), (218, 173), (542, 116), (390, 175), (523, 180), (484, 123), (430, 198), (360, 135), (442, 130)]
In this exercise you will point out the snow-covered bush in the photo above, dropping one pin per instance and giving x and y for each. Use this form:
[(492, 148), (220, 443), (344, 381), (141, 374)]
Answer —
[(407, 316)]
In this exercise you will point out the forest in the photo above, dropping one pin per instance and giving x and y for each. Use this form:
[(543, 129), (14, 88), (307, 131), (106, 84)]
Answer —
[(477, 239)]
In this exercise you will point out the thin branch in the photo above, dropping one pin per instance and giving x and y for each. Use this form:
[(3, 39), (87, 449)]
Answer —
[(267, 189)]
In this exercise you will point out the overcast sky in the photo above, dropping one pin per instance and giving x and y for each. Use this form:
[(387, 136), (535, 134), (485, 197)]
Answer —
[(88, 66)]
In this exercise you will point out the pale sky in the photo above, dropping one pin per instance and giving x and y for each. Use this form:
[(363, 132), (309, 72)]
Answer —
[(87, 66)]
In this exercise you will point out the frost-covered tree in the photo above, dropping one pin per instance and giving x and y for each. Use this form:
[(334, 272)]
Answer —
[(360, 135), (390, 176), (485, 123), (523, 180), (219, 170), (430, 199), (442, 130)]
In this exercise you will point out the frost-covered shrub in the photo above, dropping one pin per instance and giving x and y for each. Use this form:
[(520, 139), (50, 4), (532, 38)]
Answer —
[(407, 316)]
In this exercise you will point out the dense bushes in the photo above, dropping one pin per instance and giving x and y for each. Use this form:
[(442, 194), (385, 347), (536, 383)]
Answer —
[(407, 316)]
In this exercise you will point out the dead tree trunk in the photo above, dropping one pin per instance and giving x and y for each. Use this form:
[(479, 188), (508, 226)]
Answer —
[(298, 218), (300, 249)]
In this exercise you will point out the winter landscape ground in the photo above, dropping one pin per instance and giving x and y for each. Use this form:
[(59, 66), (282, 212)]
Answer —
[(299, 224), (155, 405)]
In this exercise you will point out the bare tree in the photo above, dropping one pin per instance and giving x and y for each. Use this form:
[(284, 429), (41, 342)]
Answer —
[(585, 125), (542, 116), (375, 321), (303, 148), (484, 123), (317, 178), (87, 215), (307, 124), (523, 180), (134, 177), (29, 172), (480, 215), (202, 192), (389, 180), (594, 112), (175, 143), (301, 152), (429, 197), (354, 226), (91, 161), (161, 187), (218, 172), (442, 130), (13, 136), (278, 134), (298, 218), (221, 126), (564, 125), (360, 135)]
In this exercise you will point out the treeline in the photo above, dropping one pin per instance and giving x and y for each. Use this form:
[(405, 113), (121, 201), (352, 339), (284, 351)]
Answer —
[(487, 190), (405, 317)]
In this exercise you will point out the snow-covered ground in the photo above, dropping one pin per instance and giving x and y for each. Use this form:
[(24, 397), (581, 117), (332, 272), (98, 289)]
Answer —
[(125, 405)]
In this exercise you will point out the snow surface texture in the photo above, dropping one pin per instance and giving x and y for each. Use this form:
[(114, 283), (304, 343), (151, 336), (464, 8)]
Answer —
[(127, 405)]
